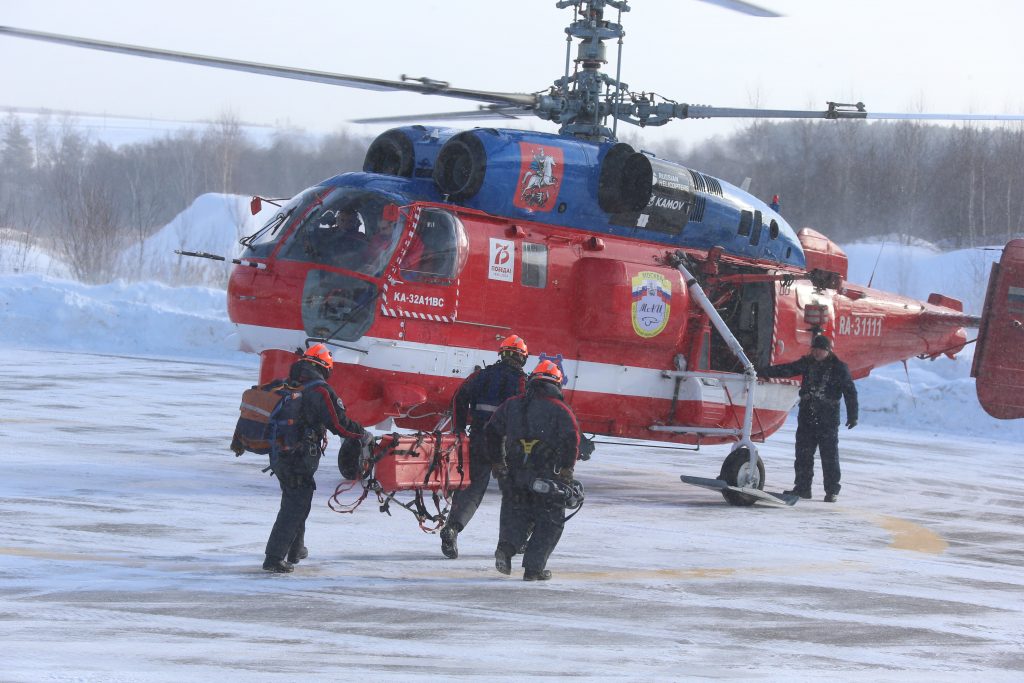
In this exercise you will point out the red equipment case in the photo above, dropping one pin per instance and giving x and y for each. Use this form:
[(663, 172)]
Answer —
[(427, 461)]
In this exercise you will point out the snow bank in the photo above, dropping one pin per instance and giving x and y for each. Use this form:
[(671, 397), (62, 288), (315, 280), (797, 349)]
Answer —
[(919, 270), (214, 223), (137, 318)]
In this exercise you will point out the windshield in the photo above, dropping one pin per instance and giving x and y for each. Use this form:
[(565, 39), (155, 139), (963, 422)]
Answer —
[(261, 242), (353, 229)]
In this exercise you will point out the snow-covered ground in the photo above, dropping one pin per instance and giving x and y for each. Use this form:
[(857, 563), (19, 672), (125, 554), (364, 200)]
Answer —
[(133, 537), (133, 540)]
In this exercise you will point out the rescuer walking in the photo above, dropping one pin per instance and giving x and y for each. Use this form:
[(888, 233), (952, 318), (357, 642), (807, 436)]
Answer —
[(534, 441), (825, 379), (474, 404), (321, 410)]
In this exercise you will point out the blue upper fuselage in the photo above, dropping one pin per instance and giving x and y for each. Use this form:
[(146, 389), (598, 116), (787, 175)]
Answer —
[(562, 181)]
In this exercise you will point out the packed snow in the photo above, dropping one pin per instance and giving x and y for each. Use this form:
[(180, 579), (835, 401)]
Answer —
[(133, 537)]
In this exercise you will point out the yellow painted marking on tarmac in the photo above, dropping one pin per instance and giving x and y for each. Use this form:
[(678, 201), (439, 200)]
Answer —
[(909, 536)]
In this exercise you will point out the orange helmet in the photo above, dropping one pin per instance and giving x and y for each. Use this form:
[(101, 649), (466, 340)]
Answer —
[(318, 353), (514, 345), (546, 371)]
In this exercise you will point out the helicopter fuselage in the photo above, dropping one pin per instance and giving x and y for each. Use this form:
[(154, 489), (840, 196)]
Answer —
[(418, 295)]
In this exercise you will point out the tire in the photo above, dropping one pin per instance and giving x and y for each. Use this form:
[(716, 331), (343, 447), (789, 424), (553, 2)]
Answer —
[(348, 459), (736, 464)]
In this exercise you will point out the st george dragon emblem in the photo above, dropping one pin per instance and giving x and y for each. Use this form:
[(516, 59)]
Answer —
[(539, 179)]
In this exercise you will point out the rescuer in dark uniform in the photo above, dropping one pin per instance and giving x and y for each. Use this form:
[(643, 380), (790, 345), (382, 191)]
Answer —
[(825, 379), (532, 437), (322, 410), (474, 404)]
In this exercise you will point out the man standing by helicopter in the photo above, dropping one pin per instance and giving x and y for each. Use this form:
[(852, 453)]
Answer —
[(474, 404), (534, 440), (825, 379)]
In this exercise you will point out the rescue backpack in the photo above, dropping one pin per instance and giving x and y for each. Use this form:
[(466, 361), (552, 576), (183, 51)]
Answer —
[(271, 417)]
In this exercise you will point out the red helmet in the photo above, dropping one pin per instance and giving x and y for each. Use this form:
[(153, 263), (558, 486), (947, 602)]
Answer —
[(514, 344), (546, 371), (318, 353)]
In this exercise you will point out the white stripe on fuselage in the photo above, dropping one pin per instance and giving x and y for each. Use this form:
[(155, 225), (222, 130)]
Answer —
[(453, 362)]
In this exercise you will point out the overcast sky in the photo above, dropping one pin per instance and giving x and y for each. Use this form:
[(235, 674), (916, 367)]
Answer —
[(894, 55)]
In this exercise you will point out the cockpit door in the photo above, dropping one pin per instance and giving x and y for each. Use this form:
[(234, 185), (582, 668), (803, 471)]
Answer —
[(423, 279)]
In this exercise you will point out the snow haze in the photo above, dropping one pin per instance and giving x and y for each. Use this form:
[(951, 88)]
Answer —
[(934, 56), (133, 537)]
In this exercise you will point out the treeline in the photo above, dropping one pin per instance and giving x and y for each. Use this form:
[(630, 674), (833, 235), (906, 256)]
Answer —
[(87, 201), (955, 186)]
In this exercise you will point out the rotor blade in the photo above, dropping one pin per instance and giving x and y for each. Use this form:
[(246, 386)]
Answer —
[(700, 111), (744, 8), (947, 117), (424, 86), (492, 112), (835, 111)]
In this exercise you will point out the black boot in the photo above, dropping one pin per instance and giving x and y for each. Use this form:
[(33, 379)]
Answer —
[(502, 561), (277, 565), (803, 493), (535, 575), (830, 497), (295, 555), (449, 542)]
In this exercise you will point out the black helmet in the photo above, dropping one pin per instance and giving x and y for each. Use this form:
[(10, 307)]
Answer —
[(822, 342)]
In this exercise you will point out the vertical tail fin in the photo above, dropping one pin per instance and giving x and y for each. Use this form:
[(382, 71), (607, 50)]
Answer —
[(999, 358)]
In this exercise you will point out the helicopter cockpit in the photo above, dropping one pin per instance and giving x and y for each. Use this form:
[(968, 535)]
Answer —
[(340, 227), (350, 237)]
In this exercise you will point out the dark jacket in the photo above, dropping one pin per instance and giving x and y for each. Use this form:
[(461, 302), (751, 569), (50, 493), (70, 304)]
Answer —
[(539, 433), (482, 392), (822, 384), (322, 410)]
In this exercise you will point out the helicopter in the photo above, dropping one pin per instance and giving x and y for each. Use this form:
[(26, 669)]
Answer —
[(657, 289)]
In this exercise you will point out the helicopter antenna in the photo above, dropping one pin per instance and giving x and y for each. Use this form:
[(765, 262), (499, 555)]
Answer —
[(875, 267)]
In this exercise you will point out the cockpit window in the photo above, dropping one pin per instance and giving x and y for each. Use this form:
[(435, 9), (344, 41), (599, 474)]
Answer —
[(438, 250), (337, 306), (348, 228), (261, 243)]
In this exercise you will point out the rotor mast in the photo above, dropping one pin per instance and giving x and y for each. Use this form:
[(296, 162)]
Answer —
[(578, 100)]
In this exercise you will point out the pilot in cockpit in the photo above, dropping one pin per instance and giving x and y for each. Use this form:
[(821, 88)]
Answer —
[(340, 240)]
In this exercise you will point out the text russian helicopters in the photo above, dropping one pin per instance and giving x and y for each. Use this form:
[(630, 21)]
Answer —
[(657, 288)]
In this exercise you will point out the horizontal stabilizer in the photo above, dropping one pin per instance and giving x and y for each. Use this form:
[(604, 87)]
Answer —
[(999, 358)]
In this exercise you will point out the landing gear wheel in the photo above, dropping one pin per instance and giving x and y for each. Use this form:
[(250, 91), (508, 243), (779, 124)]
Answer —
[(735, 469), (348, 459)]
